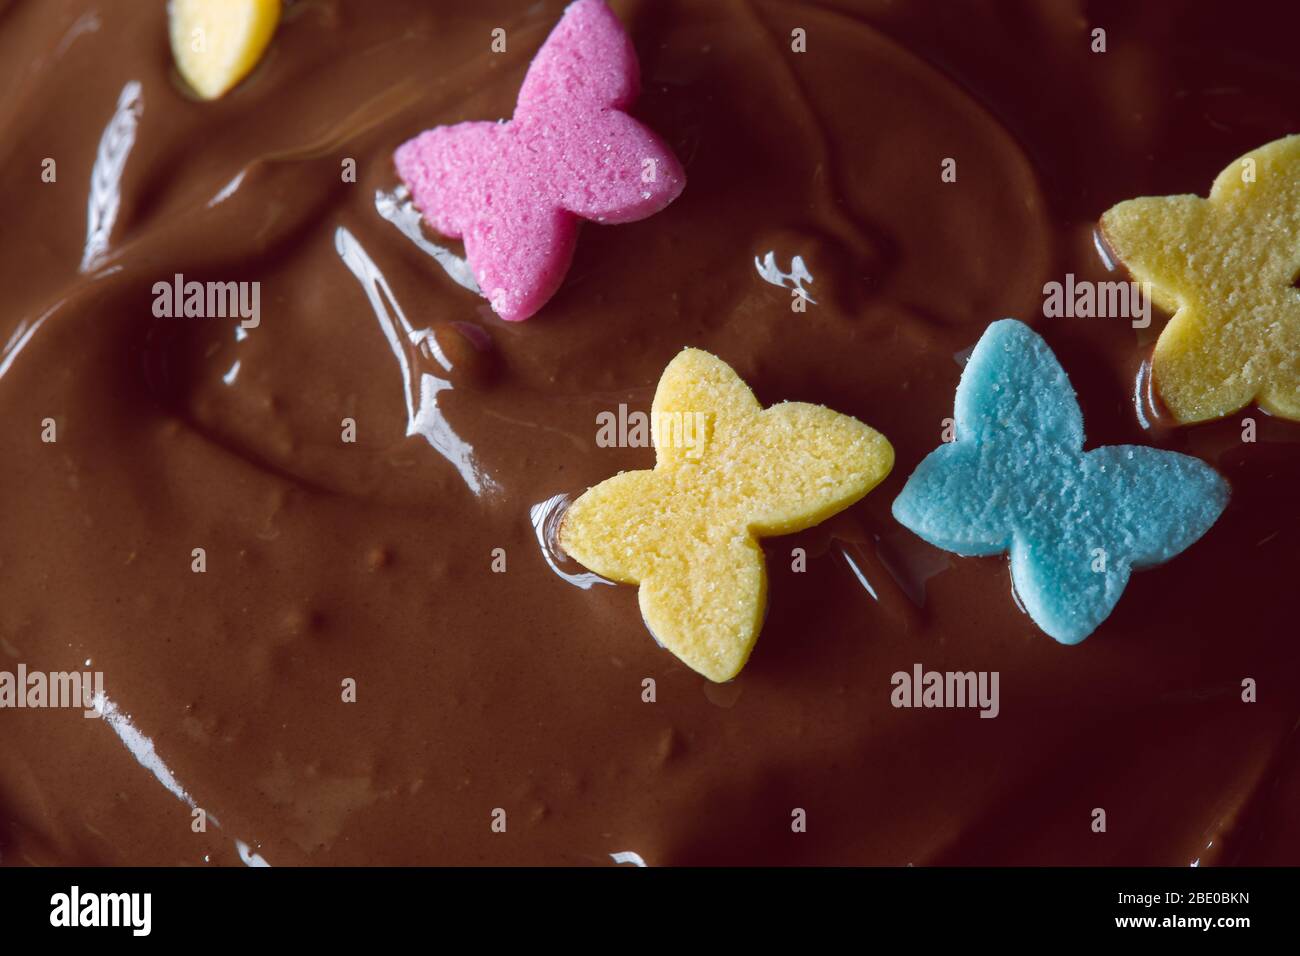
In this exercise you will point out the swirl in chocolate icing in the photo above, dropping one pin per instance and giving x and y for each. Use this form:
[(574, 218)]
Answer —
[(373, 560)]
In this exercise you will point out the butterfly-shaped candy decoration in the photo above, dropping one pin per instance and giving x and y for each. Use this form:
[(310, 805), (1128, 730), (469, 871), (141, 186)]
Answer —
[(1225, 268), (515, 191), (727, 472), (216, 43), (1017, 479)]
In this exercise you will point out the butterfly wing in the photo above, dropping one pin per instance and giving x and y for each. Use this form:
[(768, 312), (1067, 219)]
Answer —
[(1197, 369), (1155, 503), (587, 63), (1149, 235), (699, 404), (617, 527), (520, 259), (1014, 397), (799, 464), (1018, 432), (468, 183), (603, 164), (451, 172), (955, 501), (1059, 588), (705, 603), (629, 175), (703, 587)]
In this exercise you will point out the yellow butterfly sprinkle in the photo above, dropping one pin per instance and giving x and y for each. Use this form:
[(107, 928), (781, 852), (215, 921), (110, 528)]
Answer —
[(216, 43), (1225, 268), (727, 473)]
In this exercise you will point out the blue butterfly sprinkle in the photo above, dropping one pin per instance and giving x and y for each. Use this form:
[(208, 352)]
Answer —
[(1017, 479)]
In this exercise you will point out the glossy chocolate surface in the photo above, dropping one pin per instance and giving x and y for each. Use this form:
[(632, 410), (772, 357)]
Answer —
[(372, 560)]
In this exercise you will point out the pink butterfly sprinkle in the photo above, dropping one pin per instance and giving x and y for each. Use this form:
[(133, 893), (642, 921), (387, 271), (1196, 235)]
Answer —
[(515, 191)]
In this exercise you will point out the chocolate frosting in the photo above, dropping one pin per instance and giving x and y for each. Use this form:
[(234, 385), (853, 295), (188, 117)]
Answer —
[(373, 560)]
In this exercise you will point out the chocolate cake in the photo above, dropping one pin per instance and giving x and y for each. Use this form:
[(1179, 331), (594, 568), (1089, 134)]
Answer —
[(310, 542)]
